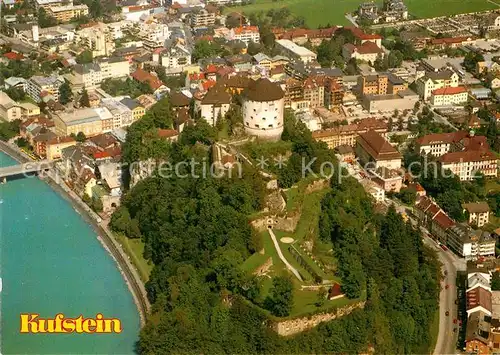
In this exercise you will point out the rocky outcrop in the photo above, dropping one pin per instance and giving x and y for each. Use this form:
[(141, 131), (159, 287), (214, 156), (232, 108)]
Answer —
[(264, 268), (298, 325), (317, 186)]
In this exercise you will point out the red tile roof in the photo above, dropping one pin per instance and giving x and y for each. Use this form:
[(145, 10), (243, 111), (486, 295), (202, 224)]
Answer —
[(468, 156), (211, 68), (167, 133), (479, 297), (208, 84), (197, 76), (450, 40), (450, 91), (443, 220), (145, 77), (377, 146), (442, 138), (369, 47), (59, 140), (358, 33), (13, 56), (243, 29)]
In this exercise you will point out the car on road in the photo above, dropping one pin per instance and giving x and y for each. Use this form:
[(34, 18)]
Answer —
[(447, 287), (447, 313), (444, 247), (445, 272)]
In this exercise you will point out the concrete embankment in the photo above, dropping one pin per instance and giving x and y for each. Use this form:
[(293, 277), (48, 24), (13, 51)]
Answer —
[(105, 236)]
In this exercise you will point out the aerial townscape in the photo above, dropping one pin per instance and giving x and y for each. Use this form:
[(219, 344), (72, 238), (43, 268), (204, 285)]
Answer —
[(250, 176)]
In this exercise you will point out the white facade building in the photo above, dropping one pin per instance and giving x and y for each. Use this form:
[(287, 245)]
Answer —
[(449, 96), (245, 34), (293, 50), (263, 109), (38, 84), (175, 58)]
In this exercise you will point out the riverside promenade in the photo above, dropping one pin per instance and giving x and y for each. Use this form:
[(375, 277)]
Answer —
[(105, 236)]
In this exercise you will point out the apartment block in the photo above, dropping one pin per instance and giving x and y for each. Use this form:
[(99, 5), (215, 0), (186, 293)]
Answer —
[(37, 85), (479, 213), (203, 18), (68, 12)]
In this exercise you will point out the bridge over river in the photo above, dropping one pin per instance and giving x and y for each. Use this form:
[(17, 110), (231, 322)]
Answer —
[(25, 168)]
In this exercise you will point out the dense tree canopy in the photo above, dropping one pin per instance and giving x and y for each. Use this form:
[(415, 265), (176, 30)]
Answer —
[(197, 235), (385, 256)]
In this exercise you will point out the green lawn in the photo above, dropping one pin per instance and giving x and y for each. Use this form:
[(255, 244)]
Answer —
[(322, 12), (135, 249), (305, 302)]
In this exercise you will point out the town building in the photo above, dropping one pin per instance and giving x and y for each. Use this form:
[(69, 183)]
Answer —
[(122, 115), (436, 80), (68, 12), (203, 18), (479, 213), (347, 134), (245, 34), (374, 152), (403, 100), (55, 146), (469, 243), (150, 79), (431, 216), (373, 84), (214, 104), (449, 96), (263, 109), (91, 75), (389, 180), (45, 4), (9, 109), (96, 38), (438, 144), (175, 58), (153, 35), (37, 85), (90, 121), (368, 52), (466, 164), (135, 107), (293, 50)]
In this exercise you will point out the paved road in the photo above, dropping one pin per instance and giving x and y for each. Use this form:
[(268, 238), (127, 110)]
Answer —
[(447, 339), (282, 257)]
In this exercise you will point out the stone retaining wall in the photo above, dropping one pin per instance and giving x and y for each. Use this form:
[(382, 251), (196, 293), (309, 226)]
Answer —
[(298, 325)]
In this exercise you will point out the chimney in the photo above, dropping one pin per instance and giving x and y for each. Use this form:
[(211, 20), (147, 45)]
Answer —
[(34, 32)]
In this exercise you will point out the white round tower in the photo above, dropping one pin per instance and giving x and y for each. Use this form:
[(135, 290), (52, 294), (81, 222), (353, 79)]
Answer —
[(263, 109)]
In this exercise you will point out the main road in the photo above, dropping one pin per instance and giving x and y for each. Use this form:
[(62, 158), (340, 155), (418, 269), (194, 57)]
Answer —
[(447, 339)]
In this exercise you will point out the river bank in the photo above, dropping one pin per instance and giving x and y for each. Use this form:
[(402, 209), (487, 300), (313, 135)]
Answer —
[(104, 235)]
